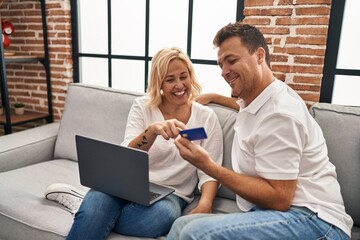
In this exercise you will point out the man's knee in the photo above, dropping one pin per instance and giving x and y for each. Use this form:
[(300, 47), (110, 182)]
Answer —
[(183, 227)]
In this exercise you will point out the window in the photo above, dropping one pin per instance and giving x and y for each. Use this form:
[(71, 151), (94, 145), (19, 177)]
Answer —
[(114, 41), (341, 80)]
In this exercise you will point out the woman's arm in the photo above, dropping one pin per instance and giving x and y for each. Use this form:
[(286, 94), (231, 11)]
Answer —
[(208, 193), (167, 129)]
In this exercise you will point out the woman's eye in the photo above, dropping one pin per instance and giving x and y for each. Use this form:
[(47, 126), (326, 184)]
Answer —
[(184, 77)]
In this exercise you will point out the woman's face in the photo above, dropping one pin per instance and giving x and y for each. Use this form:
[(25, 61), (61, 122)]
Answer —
[(177, 83)]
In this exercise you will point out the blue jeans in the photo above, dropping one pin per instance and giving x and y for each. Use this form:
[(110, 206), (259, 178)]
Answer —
[(296, 223), (100, 213)]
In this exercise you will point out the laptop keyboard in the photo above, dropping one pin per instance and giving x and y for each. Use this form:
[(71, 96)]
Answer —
[(153, 195)]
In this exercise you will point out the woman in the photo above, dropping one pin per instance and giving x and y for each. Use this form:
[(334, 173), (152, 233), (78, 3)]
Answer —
[(153, 123)]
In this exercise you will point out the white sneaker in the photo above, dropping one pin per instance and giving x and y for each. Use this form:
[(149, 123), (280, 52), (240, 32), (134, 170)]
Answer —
[(65, 194)]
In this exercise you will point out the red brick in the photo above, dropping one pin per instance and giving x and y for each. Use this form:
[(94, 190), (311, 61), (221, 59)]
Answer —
[(274, 30), (251, 3), (305, 87), (307, 69), (267, 12), (303, 21), (280, 76), (279, 58), (318, 40), (310, 97), (312, 31), (309, 60), (286, 2), (257, 21), (305, 2), (314, 79), (297, 69), (313, 11), (300, 51)]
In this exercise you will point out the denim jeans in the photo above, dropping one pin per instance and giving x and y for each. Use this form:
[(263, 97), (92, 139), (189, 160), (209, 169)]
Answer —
[(100, 213), (258, 224)]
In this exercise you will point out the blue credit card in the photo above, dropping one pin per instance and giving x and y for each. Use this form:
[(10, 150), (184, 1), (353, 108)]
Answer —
[(194, 133)]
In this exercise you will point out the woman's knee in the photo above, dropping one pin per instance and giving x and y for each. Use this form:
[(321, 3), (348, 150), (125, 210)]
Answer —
[(96, 202), (169, 207)]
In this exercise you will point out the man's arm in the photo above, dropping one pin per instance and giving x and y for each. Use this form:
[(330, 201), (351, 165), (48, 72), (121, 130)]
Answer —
[(207, 98), (270, 194)]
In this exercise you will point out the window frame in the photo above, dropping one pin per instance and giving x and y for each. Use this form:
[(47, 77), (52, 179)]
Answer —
[(331, 54), (146, 58)]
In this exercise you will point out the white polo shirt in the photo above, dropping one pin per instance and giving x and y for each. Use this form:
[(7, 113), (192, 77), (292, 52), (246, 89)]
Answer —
[(276, 138), (166, 166)]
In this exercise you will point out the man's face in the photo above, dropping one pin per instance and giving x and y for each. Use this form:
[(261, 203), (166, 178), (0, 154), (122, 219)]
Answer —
[(240, 69)]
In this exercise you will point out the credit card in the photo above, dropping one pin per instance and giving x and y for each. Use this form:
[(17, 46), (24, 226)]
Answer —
[(194, 133)]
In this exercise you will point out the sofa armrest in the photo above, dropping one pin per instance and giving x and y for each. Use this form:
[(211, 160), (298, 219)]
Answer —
[(28, 147)]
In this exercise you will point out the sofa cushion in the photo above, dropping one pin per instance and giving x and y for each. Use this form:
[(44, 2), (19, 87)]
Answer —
[(227, 119), (30, 213), (95, 112), (341, 128), (32, 216), (28, 147)]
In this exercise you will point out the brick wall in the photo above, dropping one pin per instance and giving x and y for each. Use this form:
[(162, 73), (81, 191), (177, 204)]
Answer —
[(295, 30), (26, 81)]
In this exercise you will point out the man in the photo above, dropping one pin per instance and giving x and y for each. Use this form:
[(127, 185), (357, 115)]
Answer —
[(283, 179)]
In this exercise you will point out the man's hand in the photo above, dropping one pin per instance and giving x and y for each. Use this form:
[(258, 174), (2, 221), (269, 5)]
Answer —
[(205, 98), (192, 153)]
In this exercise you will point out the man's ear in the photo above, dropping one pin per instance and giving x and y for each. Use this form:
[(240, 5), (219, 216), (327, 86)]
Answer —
[(260, 53)]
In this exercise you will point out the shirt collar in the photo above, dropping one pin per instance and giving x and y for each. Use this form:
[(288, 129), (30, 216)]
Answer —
[(260, 100)]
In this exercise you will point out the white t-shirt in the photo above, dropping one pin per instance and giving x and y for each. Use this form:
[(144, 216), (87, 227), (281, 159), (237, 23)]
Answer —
[(276, 138), (166, 166)]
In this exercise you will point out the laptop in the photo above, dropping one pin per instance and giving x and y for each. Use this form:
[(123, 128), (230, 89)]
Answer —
[(117, 170)]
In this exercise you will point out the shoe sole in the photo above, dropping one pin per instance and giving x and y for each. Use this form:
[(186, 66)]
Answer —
[(74, 193), (52, 189)]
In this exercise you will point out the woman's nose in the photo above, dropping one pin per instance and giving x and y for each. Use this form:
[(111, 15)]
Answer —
[(178, 82)]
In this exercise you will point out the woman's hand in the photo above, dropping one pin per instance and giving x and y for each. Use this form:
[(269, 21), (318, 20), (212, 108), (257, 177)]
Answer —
[(201, 209), (167, 129), (208, 193)]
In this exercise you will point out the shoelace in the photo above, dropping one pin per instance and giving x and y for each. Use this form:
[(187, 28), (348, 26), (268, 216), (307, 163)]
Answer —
[(69, 205)]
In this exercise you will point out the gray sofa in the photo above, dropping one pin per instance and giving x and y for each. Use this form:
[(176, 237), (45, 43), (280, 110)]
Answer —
[(32, 159)]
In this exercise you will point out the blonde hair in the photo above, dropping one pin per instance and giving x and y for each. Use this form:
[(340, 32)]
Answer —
[(159, 67)]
